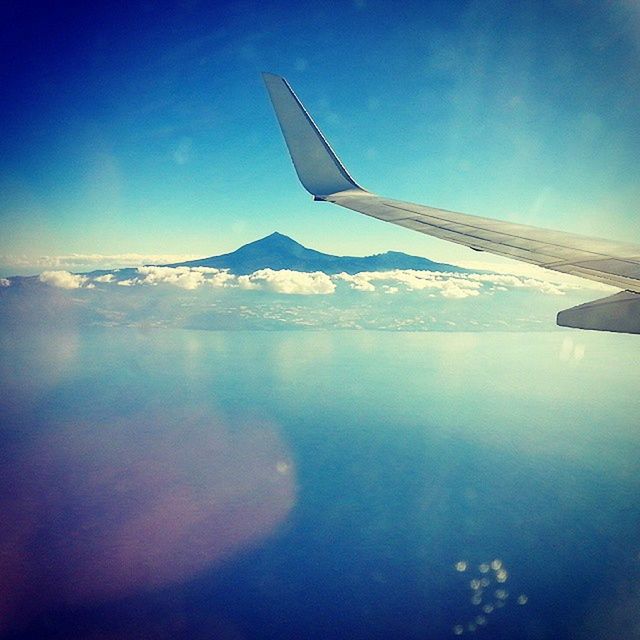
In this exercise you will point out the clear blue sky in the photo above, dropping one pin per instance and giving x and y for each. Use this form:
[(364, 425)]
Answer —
[(144, 126)]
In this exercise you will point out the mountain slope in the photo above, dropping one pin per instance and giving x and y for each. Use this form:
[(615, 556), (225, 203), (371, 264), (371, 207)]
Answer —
[(278, 251)]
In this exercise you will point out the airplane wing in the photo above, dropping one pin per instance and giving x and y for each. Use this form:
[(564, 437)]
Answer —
[(613, 263)]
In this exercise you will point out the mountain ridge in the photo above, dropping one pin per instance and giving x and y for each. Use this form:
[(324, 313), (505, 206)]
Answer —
[(278, 251)]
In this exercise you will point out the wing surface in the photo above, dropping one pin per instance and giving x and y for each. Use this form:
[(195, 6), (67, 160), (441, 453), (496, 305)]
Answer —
[(323, 175)]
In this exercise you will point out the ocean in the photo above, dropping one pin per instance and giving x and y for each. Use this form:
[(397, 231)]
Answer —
[(319, 484)]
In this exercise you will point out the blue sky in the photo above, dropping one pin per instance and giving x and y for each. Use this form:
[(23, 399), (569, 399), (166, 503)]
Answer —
[(146, 128)]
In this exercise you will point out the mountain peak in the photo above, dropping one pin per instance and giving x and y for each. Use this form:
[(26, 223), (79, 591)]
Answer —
[(274, 238), (277, 234), (274, 243)]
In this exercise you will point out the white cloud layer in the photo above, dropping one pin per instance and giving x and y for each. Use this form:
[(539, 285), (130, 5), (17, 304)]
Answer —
[(454, 286), (63, 279), (190, 278), (182, 277), (448, 285), (186, 277), (286, 281)]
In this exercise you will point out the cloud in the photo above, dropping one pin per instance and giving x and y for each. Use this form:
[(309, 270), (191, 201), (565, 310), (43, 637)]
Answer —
[(449, 285), (291, 282), (62, 279), (220, 278), (183, 277), (357, 281), (107, 277), (186, 277), (501, 282), (190, 278), (452, 291)]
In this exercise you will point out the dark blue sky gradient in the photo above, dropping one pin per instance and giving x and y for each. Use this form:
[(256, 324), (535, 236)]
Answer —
[(145, 126)]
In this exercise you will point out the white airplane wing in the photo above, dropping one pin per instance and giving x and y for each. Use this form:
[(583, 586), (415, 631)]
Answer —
[(612, 263)]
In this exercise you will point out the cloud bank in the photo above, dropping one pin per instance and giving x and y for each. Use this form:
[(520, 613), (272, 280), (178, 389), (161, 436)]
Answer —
[(287, 281), (448, 285), (64, 279), (452, 286), (190, 278)]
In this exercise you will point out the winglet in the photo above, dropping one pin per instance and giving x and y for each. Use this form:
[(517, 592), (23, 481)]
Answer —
[(319, 169)]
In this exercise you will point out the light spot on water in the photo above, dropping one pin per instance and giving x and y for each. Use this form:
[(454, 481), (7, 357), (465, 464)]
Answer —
[(488, 600), (570, 351), (458, 630), (283, 468), (566, 349)]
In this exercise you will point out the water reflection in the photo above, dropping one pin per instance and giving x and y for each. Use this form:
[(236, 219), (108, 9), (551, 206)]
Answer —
[(97, 511), (484, 595), (23, 376)]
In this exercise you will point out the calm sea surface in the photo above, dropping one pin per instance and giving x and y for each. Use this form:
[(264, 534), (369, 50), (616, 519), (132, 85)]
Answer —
[(186, 484)]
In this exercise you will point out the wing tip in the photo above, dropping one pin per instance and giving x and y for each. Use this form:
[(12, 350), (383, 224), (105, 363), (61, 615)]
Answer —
[(318, 167)]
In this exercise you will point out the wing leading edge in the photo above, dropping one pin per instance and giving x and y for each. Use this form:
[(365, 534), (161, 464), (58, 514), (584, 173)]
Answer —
[(613, 263)]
